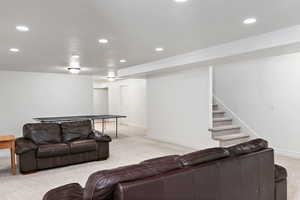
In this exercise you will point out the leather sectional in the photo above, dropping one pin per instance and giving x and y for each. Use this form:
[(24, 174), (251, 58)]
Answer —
[(242, 172), (48, 145)]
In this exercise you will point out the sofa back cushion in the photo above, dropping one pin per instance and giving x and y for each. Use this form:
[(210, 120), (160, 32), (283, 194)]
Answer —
[(42, 133), (101, 185), (246, 177), (172, 159), (203, 156), (79, 130), (248, 147)]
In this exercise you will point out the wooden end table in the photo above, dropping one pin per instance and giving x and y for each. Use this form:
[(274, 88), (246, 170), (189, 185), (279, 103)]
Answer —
[(8, 142)]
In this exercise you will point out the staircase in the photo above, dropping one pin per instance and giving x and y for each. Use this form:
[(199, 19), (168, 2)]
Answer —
[(224, 130)]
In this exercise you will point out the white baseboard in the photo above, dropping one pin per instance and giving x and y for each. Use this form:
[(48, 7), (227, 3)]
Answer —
[(134, 125), (288, 153)]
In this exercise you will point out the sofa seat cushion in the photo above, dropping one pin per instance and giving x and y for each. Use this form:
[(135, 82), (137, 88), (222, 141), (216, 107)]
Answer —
[(280, 173), (52, 150), (82, 146), (42, 133), (203, 156), (248, 147), (78, 130)]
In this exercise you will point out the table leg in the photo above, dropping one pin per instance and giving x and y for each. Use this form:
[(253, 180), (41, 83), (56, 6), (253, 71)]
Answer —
[(13, 158), (116, 127), (93, 124), (102, 126)]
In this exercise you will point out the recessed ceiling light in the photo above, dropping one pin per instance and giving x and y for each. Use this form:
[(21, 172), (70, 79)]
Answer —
[(159, 49), (123, 61), (180, 1), (15, 50), (251, 20), (103, 41), (22, 28)]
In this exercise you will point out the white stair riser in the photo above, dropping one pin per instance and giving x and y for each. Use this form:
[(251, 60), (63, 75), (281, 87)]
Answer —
[(233, 142), (222, 123), (226, 132)]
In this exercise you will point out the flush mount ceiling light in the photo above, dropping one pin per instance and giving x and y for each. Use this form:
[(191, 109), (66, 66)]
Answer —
[(180, 1), (22, 28), (112, 76), (74, 64), (123, 61), (103, 41), (251, 20), (74, 70), (15, 50), (159, 49), (75, 56), (111, 79)]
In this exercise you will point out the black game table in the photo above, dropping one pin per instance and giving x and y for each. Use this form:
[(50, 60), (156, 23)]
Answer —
[(82, 117)]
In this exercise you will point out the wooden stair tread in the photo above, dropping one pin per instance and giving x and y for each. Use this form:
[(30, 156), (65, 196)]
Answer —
[(221, 119), (223, 128), (231, 137)]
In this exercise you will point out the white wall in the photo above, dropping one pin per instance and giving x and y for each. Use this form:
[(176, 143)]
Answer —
[(25, 95), (135, 100), (178, 108), (100, 101), (265, 94)]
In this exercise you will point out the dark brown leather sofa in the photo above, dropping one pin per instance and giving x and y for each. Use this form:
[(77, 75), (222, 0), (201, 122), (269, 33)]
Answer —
[(48, 145), (242, 172)]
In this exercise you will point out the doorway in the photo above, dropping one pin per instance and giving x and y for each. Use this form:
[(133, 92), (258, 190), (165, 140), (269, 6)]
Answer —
[(100, 99)]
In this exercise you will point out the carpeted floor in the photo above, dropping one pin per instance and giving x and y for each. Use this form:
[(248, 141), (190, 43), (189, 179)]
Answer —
[(130, 148)]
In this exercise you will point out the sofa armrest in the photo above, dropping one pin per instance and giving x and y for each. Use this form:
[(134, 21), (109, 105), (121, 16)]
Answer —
[(102, 145), (72, 191), (99, 136), (103, 138), (24, 145), (280, 183), (280, 173)]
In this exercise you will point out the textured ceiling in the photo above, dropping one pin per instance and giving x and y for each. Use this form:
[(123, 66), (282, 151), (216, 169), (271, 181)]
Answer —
[(134, 28)]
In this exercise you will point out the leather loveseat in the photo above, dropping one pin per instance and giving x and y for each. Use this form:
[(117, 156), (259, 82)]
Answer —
[(48, 145), (242, 172)]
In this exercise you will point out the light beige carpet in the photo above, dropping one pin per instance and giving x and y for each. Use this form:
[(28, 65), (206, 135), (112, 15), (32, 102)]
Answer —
[(130, 148)]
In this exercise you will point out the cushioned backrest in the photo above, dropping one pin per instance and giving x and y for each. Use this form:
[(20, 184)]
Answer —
[(78, 130), (203, 156), (100, 185), (42, 133), (176, 185), (248, 147), (247, 177)]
